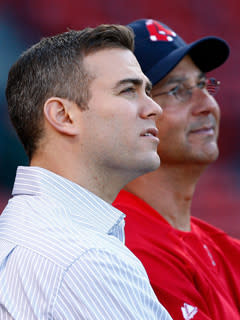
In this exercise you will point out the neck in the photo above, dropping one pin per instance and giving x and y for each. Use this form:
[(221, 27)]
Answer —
[(106, 184), (169, 190)]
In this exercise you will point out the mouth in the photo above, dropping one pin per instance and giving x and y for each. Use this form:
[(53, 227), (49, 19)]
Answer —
[(150, 133), (207, 130)]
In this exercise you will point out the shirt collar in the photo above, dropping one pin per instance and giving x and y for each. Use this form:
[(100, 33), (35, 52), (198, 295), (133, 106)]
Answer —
[(84, 204)]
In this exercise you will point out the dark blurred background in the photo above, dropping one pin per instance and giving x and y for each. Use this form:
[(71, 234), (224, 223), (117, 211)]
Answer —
[(23, 23)]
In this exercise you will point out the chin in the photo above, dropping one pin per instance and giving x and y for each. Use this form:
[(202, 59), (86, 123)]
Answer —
[(207, 154), (207, 158), (153, 164), (148, 165), (213, 155)]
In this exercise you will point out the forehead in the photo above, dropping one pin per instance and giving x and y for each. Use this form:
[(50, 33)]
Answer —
[(185, 67), (113, 65), (184, 70)]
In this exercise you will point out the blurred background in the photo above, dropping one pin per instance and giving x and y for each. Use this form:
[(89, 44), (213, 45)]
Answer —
[(22, 23)]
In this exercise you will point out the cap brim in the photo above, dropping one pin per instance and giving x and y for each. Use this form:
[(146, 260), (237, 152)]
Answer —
[(207, 53)]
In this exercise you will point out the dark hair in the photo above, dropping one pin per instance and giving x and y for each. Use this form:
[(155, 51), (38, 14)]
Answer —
[(54, 67)]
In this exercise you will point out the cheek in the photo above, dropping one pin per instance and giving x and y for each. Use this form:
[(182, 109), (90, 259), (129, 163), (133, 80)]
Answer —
[(171, 134), (116, 130), (214, 108), (170, 125), (218, 116)]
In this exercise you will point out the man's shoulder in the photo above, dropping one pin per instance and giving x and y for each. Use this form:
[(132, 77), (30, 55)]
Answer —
[(135, 208), (44, 228), (205, 227), (213, 233)]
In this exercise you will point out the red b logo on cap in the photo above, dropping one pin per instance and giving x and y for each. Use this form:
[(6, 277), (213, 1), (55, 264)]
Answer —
[(158, 32)]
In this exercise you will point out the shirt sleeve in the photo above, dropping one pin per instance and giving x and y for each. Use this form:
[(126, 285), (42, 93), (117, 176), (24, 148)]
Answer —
[(100, 285)]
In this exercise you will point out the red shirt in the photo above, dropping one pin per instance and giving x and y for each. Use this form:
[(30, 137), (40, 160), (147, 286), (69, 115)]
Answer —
[(195, 275)]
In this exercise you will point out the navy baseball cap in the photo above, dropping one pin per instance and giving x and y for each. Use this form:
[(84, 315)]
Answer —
[(159, 49)]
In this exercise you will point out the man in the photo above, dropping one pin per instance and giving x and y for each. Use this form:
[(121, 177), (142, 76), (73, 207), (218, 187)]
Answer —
[(193, 267), (87, 131)]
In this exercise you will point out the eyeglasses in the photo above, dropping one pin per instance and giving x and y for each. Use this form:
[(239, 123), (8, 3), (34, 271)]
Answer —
[(183, 93)]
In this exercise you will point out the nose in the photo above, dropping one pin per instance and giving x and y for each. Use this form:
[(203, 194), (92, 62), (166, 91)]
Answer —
[(151, 109), (204, 103)]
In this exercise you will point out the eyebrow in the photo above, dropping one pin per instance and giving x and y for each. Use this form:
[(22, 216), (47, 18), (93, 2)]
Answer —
[(136, 81), (182, 79)]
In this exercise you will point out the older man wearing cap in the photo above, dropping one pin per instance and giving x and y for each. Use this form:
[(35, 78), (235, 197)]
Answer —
[(194, 268)]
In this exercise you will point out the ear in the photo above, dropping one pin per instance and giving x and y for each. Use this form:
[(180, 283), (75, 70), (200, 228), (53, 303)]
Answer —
[(59, 114)]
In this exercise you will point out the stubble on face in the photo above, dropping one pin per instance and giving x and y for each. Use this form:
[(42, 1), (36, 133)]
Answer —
[(188, 131), (113, 123)]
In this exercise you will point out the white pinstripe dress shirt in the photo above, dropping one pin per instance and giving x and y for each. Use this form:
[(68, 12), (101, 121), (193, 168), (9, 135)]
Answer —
[(62, 256)]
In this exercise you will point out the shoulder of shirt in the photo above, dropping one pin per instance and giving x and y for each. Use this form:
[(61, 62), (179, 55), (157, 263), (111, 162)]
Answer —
[(211, 231), (56, 238)]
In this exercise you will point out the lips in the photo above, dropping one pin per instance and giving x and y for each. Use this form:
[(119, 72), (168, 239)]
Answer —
[(204, 124), (150, 132), (205, 128)]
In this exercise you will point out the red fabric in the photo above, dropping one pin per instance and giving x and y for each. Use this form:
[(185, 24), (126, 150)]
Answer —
[(200, 268)]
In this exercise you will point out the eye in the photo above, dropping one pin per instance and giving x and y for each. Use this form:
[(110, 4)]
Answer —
[(202, 84), (176, 89), (128, 90), (149, 93)]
